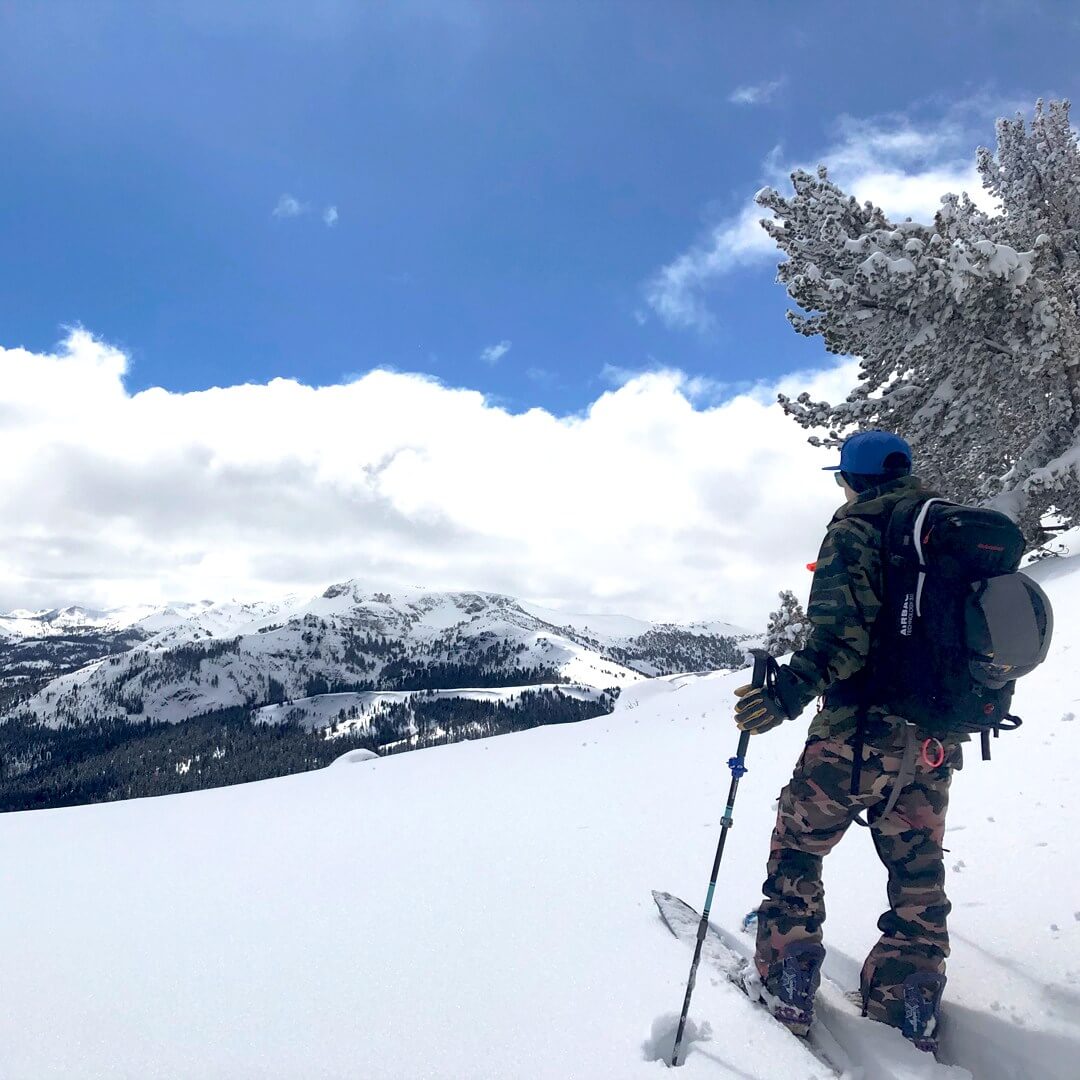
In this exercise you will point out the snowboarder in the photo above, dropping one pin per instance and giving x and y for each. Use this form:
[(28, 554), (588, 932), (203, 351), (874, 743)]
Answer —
[(855, 753)]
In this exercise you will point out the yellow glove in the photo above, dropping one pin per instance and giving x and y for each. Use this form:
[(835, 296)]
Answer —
[(757, 710)]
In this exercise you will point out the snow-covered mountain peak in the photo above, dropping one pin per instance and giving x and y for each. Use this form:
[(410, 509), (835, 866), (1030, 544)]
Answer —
[(188, 660)]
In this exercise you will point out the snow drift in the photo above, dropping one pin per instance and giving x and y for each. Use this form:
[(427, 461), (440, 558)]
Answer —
[(483, 910)]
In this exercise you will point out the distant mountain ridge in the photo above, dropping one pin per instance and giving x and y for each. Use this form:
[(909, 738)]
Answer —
[(102, 705), (144, 619), (36, 646), (75, 665)]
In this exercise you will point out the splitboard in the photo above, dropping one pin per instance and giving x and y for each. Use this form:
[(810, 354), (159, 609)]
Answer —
[(718, 956), (840, 1038)]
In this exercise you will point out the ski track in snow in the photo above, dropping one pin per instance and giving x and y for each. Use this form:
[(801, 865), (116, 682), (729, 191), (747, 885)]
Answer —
[(843, 1041), (482, 911)]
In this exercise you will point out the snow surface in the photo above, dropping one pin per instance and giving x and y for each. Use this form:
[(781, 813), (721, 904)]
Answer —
[(323, 710), (483, 910), (624, 627), (355, 757)]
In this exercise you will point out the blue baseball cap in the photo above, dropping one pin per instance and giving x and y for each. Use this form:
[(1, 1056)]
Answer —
[(868, 453)]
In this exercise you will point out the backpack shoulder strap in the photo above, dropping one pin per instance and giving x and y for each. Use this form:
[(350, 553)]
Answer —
[(902, 536), (898, 550), (918, 536), (903, 539), (896, 529)]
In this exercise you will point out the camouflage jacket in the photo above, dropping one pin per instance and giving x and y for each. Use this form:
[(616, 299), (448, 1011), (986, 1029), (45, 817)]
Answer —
[(845, 599)]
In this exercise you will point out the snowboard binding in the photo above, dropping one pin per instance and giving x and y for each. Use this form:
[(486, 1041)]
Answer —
[(922, 1006), (791, 999)]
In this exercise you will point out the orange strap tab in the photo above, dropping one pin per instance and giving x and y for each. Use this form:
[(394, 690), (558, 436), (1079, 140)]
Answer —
[(933, 753), (812, 567)]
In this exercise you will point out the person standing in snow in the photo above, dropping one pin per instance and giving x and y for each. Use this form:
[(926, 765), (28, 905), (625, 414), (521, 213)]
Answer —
[(858, 757)]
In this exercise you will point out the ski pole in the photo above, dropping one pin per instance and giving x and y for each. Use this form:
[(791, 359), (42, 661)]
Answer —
[(738, 770)]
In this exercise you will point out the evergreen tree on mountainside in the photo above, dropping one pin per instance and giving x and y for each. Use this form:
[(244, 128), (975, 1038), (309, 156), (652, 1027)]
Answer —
[(788, 626), (104, 760), (968, 329)]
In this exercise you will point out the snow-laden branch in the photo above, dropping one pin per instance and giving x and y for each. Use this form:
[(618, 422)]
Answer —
[(968, 328)]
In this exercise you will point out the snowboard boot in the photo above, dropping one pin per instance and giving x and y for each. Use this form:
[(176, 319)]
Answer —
[(922, 1008), (789, 994)]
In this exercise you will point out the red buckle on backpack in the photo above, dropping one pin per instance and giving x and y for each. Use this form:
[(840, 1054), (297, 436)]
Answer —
[(939, 755)]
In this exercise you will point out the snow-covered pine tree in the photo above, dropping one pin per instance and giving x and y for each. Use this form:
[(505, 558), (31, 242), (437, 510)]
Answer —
[(788, 626), (968, 329)]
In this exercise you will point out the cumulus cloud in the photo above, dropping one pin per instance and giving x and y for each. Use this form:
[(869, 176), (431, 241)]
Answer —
[(646, 502), (288, 206), (760, 94), (903, 166), (494, 353), (330, 216)]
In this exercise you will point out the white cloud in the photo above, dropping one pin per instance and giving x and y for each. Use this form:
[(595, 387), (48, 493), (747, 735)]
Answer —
[(696, 388), (494, 353), (760, 94), (614, 375), (676, 291), (902, 166), (646, 502), (288, 207)]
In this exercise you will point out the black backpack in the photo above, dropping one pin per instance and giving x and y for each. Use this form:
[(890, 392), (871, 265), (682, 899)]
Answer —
[(960, 623)]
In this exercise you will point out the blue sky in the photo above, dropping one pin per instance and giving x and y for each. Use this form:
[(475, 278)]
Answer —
[(504, 174), (482, 285)]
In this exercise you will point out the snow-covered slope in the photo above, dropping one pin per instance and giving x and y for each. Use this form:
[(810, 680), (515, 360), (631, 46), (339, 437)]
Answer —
[(22, 623), (211, 657), (176, 624), (624, 627), (38, 646), (325, 710), (483, 910)]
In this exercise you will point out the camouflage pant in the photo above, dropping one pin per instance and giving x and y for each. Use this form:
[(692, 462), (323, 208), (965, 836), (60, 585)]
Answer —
[(816, 809)]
